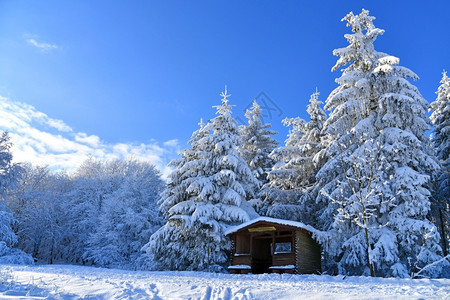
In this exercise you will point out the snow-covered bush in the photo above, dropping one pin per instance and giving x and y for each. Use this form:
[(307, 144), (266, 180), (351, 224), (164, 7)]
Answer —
[(14, 256)]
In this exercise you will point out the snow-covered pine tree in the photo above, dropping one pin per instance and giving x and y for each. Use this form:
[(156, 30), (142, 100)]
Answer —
[(206, 194), (441, 143), (311, 144), (349, 105), (406, 165), (292, 177), (313, 148), (376, 180), (168, 245), (183, 169), (280, 196), (257, 144)]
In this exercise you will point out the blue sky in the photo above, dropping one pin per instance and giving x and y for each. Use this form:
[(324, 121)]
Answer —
[(138, 75)]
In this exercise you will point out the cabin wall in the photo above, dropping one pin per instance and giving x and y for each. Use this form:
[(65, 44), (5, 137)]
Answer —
[(283, 259), (240, 252), (308, 258), (241, 260)]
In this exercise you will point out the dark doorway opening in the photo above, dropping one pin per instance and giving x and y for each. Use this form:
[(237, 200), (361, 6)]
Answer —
[(261, 254)]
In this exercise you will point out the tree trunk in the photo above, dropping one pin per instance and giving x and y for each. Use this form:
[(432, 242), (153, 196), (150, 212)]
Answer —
[(372, 272), (443, 233)]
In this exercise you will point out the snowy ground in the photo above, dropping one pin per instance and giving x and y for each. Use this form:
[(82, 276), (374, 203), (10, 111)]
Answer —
[(75, 282)]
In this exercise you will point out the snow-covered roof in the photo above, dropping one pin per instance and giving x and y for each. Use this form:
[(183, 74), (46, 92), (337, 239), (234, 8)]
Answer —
[(272, 220)]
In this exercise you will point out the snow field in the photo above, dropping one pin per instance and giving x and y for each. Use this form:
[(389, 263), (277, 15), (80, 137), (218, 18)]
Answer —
[(78, 282)]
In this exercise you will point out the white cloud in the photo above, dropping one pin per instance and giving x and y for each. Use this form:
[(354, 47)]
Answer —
[(91, 140), (58, 124), (43, 46), (42, 140), (171, 143)]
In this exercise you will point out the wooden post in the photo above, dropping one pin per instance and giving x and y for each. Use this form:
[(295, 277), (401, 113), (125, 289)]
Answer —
[(251, 252), (293, 241), (273, 251), (251, 243), (208, 259), (273, 245)]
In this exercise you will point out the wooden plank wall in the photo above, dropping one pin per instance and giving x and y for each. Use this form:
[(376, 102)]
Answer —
[(308, 253), (241, 260), (283, 259)]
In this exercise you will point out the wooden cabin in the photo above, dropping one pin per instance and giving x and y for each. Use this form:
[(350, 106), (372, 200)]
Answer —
[(268, 245)]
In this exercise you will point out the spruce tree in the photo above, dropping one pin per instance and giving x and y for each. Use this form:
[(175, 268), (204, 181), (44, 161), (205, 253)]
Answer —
[(441, 143), (168, 245), (311, 144), (288, 193), (376, 181), (281, 194), (207, 194), (257, 144), (313, 148)]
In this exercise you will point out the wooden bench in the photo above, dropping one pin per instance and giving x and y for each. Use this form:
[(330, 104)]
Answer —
[(289, 269), (239, 269)]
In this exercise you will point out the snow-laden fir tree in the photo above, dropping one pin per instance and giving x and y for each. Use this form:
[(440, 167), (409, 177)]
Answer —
[(257, 144), (206, 194), (441, 143), (406, 163), (292, 177), (349, 105), (280, 196), (311, 144), (313, 148), (167, 246), (128, 217), (377, 178), (183, 170)]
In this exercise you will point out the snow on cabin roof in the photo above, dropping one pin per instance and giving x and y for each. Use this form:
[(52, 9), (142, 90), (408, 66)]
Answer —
[(272, 220)]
